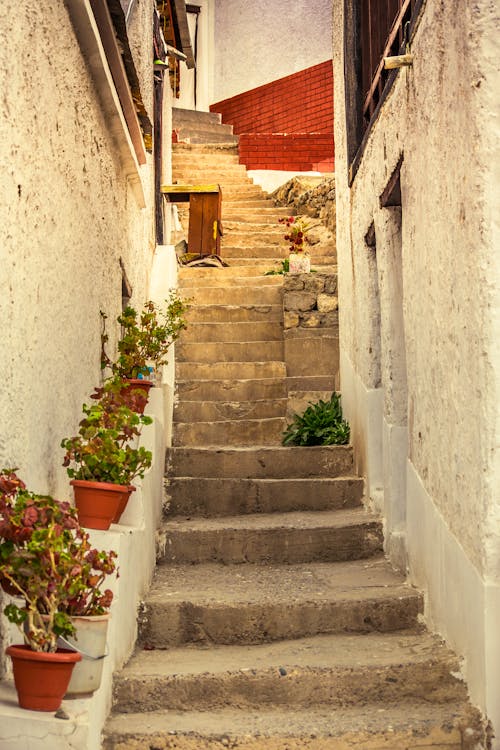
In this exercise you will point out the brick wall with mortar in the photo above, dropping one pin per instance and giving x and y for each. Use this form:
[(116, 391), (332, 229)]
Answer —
[(286, 124)]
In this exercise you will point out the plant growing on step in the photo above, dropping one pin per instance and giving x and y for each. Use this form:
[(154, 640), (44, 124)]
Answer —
[(48, 563), (320, 424), (103, 451), (146, 336)]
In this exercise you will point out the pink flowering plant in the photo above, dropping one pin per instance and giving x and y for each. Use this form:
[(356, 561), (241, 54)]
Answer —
[(47, 565), (297, 233)]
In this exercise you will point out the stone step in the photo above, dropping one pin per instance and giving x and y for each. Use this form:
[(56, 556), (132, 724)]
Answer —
[(212, 497), (229, 277), (218, 410), (273, 251), (207, 272), (282, 538), (265, 215), (181, 116), (254, 225), (229, 351), (208, 174), (235, 313), (246, 203), (226, 370), (401, 726), (229, 391), (248, 604), (247, 238), (249, 294), (197, 150), (330, 670), (261, 463), (206, 134), (231, 433), (207, 160), (228, 331)]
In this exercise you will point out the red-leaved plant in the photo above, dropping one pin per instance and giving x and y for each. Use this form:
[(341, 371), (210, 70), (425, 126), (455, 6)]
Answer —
[(296, 235), (48, 563)]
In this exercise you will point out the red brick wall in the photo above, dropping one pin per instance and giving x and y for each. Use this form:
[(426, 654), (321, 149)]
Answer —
[(286, 124)]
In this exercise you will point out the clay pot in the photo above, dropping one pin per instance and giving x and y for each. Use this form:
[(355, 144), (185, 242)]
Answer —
[(41, 679), (136, 392), (99, 504)]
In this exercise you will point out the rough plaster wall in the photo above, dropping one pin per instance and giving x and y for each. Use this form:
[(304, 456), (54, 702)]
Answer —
[(66, 216), (435, 114), (260, 42)]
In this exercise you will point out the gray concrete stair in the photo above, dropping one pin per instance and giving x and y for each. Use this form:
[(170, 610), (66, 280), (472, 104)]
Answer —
[(398, 726), (273, 621), (213, 496), (330, 670), (328, 536), (248, 604)]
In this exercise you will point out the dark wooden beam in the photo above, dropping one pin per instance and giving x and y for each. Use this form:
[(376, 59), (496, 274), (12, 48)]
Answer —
[(391, 195)]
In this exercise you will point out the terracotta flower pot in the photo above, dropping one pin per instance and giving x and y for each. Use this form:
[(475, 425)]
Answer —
[(99, 504), (138, 390), (41, 679)]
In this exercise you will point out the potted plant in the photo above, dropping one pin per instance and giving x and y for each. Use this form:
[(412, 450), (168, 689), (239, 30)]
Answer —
[(145, 340), (298, 260), (101, 459), (47, 563)]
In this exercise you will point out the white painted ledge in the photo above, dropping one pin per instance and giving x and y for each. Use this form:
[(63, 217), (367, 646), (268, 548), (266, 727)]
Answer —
[(134, 539)]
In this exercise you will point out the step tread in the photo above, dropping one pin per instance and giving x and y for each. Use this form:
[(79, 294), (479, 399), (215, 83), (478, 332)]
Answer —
[(303, 520), (399, 724), (323, 652), (215, 584)]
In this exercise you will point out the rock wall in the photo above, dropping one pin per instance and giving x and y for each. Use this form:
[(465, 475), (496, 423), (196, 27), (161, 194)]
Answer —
[(310, 300), (312, 196)]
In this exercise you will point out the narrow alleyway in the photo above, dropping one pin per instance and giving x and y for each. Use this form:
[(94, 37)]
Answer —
[(274, 620)]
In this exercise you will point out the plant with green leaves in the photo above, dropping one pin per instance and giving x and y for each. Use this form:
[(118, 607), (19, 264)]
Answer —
[(320, 424), (146, 336), (48, 564), (103, 450)]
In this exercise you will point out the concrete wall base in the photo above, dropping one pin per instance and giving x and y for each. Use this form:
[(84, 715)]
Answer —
[(461, 606)]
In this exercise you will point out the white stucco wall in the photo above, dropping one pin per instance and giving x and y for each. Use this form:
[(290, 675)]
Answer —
[(259, 42), (67, 214), (443, 115)]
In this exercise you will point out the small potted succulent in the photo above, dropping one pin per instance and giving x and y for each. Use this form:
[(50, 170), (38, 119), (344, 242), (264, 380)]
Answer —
[(49, 566), (145, 340), (102, 460)]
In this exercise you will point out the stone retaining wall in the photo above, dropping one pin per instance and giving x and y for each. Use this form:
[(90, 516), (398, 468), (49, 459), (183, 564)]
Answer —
[(310, 300)]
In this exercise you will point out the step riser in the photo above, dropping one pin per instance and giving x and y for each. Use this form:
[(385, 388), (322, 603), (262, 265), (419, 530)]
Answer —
[(217, 411), (229, 391), (169, 625), (233, 296), (230, 351), (287, 546), (232, 279), (280, 463), (223, 370), (226, 497), (231, 433), (235, 332), (299, 687), (273, 252), (235, 314), (390, 740)]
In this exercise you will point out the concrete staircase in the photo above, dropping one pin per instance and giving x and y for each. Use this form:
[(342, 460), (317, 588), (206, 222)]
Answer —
[(274, 621)]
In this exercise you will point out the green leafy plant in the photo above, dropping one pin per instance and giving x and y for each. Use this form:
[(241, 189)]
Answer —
[(285, 268), (320, 424), (47, 562), (103, 450), (146, 336)]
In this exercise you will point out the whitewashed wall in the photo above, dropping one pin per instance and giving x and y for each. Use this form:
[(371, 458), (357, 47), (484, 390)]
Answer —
[(259, 42), (67, 214), (433, 467)]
